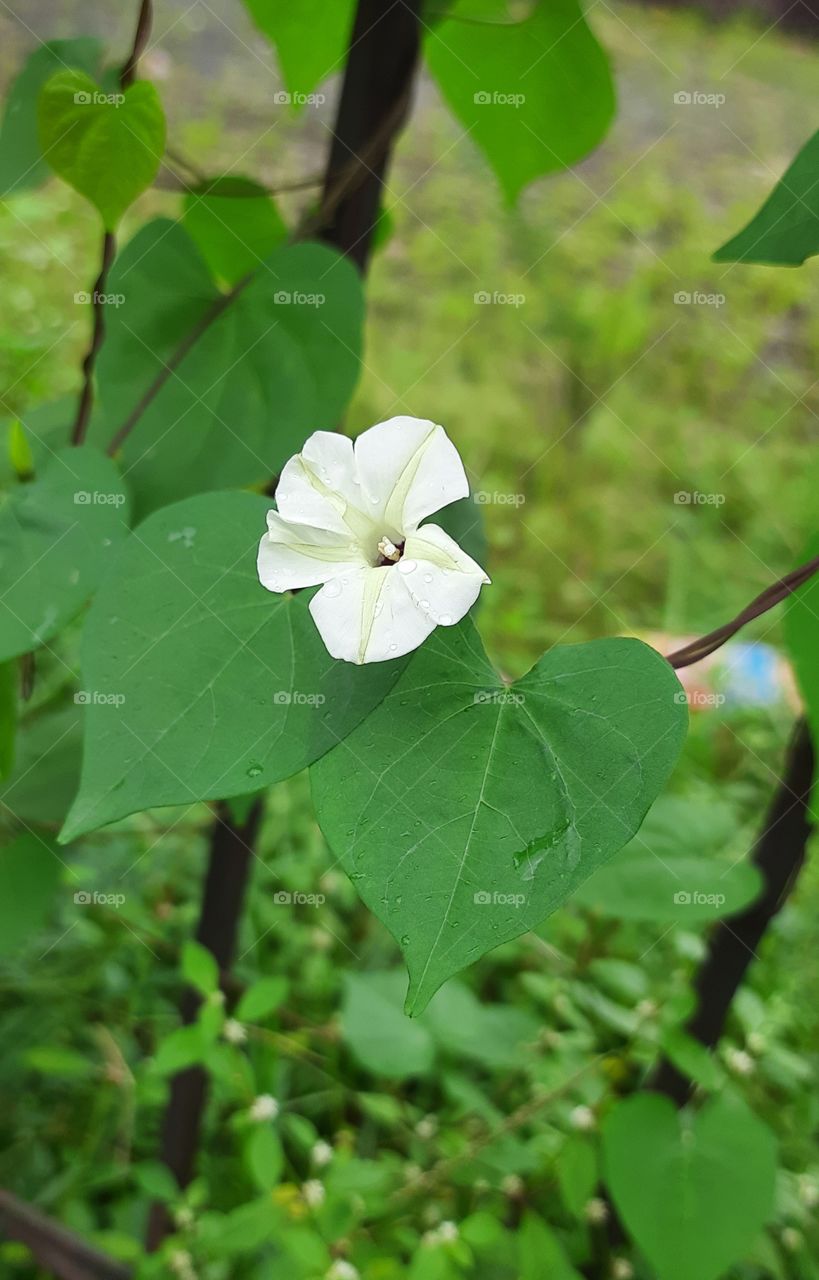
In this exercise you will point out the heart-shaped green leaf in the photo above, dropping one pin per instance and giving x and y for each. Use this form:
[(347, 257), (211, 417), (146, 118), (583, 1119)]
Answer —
[(311, 41), (280, 360), (57, 536), (466, 811), (785, 230), (693, 1190), (107, 146), (534, 95), (235, 224), (199, 683)]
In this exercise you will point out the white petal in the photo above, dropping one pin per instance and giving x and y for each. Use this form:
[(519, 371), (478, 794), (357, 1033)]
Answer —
[(298, 556), (369, 616), (408, 469), (440, 576), (319, 487)]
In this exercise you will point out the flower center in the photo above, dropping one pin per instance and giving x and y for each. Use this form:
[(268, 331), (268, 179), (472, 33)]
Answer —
[(388, 552)]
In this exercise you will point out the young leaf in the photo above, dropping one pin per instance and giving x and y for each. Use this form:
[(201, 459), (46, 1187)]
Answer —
[(279, 361), (785, 231), (221, 688), (311, 40), (235, 225), (534, 95), (261, 999), (21, 161), (466, 811), (693, 1190), (199, 968), (107, 146), (57, 535)]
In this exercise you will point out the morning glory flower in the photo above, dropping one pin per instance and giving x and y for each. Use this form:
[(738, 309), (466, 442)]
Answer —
[(349, 518)]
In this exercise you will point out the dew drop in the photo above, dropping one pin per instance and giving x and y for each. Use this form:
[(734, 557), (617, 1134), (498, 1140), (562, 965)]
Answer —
[(332, 588), (407, 566), (424, 604), (393, 648), (427, 577), (445, 619), (254, 771)]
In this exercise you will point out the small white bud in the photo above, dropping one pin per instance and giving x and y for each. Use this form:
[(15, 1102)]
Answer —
[(582, 1118), (265, 1107), (234, 1032)]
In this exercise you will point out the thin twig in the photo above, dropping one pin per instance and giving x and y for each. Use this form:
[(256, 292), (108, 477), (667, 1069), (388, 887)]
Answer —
[(767, 599), (109, 250)]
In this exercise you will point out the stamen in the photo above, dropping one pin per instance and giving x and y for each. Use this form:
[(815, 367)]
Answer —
[(388, 550)]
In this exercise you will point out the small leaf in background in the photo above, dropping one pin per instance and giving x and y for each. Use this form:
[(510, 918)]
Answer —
[(264, 1157), (534, 95), (57, 535), (802, 640), (29, 877), (638, 885), (21, 161), (576, 1168), (107, 146), (492, 1034), (199, 968), (694, 1188), (184, 1047), (20, 455), (156, 1180), (9, 681), (42, 784), (785, 231), (311, 39), (540, 1252), (261, 999), (279, 361), (256, 698), (466, 810), (691, 1058), (235, 224), (374, 1026)]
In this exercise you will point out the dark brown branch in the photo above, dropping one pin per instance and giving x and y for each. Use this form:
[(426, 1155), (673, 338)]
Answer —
[(778, 854), (141, 37), (231, 850), (767, 599), (59, 1251)]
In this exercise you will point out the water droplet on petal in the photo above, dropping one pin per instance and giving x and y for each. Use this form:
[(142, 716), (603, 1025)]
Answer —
[(407, 566), (424, 604), (393, 648), (427, 577), (332, 588), (445, 619)]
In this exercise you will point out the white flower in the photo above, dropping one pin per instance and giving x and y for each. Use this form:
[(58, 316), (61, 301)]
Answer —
[(342, 1270), (596, 1211), (348, 517), (314, 1193), (265, 1107), (582, 1118), (234, 1032), (321, 1154)]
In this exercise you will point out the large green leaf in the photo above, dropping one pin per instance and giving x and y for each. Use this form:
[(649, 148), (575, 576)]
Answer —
[(693, 1190), (465, 811), (21, 161), (280, 361), (57, 536), (43, 782), (29, 875), (802, 639), (535, 95), (311, 39), (235, 224), (108, 146), (200, 684), (785, 231)]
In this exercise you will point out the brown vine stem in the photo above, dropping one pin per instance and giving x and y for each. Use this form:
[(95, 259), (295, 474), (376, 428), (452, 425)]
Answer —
[(767, 599), (109, 250)]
